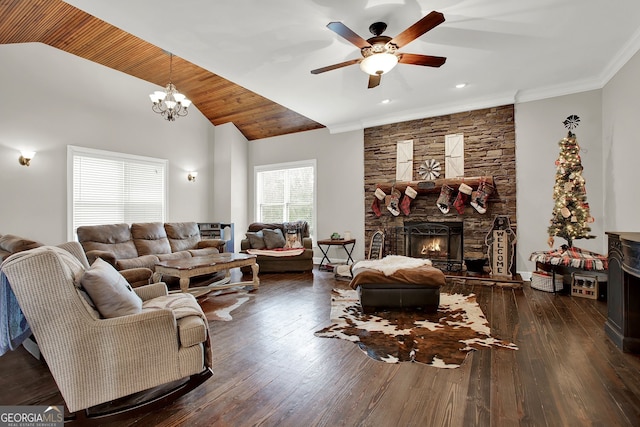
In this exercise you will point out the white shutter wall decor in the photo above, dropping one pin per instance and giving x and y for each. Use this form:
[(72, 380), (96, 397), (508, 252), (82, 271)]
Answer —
[(404, 160), (454, 156)]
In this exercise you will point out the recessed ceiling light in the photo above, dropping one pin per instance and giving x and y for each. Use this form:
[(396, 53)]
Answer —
[(385, 101), (460, 85)]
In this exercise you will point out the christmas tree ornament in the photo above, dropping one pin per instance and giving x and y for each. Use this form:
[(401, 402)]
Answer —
[(464, 191), (565, 212), (405, 204), (429, 169), (394, 201), (445, 199), (379, 196)]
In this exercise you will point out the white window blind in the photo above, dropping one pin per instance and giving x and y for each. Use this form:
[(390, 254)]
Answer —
[(110, 188), (286, 192)]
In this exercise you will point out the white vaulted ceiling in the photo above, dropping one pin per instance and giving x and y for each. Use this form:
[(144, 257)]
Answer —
[(505, 51)]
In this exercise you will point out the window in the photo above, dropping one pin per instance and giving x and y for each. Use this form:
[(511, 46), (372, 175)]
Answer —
[(286, 192), (104, 187)]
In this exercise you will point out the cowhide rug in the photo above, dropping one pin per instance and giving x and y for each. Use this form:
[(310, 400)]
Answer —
[(219, 305), (440, 339)]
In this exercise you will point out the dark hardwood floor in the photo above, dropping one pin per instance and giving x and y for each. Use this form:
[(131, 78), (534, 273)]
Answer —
[(269, 369)]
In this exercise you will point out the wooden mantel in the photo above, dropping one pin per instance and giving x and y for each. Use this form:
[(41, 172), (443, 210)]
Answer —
[(434, 186)]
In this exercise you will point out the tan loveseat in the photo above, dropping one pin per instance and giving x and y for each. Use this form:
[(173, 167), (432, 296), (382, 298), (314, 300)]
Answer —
[(281, 264), (144, 244)]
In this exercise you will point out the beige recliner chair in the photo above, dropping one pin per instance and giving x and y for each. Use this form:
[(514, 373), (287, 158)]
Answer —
[(95, 360)]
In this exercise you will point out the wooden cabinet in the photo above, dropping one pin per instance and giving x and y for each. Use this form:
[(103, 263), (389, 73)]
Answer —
[(623, 291)]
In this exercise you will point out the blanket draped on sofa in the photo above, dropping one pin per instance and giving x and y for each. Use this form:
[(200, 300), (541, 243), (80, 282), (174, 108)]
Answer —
[(14, 328)]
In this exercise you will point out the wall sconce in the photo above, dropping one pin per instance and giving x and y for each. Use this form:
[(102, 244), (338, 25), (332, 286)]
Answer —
[(192, 176), (25, 157)]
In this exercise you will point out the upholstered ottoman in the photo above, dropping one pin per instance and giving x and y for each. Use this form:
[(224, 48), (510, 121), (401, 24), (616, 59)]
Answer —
[(376, 296), (415, 287)]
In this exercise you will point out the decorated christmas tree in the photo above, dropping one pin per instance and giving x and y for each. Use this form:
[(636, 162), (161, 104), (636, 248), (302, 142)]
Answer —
[(571, 218)]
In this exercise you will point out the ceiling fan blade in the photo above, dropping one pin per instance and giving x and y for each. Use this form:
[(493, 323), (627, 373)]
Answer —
[(335, 66), (429, 61), (346, 33), (427, 23), (374, 80)]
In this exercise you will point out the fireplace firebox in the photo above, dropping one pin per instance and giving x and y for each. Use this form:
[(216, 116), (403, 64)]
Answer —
[(441, 242)]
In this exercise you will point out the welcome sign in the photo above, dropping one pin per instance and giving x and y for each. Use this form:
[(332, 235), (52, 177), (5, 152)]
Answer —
[(501, 242)]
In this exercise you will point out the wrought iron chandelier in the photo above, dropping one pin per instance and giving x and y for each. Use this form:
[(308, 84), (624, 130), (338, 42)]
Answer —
[(170, 103)]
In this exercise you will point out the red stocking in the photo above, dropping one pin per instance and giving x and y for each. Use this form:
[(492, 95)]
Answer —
[(405, 204), (461, 199), (481, 200), (379, 196)]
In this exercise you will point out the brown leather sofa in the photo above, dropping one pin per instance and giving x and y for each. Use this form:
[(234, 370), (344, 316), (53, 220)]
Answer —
[(144, 244), (11, 244), (277, 264)]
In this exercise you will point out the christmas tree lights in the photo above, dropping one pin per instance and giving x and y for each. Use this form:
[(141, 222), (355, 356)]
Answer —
[(570, 217)]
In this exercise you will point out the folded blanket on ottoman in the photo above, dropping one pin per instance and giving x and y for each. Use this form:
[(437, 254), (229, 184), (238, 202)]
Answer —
[(415, 284), (397, 269)]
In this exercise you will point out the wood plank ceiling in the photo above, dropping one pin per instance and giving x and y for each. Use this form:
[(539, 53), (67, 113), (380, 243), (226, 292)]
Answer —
[(65, 27)]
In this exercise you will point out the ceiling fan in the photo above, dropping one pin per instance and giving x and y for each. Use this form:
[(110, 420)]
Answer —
[(380, 53)]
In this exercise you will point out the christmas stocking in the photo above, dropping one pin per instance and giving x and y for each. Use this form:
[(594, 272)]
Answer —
[(480, 200), (394, 202), (379, 196), (464, 191), (409, 195), (445, 199)]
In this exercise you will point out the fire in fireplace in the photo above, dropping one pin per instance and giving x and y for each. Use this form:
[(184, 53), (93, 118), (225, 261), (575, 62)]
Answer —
[(432, 249), (441, 242)]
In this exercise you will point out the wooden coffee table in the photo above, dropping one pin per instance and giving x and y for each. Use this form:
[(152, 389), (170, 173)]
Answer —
[(186, 268)]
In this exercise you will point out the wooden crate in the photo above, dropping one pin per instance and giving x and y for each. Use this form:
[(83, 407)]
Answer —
[(584, 286)]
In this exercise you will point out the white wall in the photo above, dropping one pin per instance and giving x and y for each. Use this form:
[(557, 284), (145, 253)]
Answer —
[(621, 148), (340, 175), (230, 174), (539, 128), (52, 99)]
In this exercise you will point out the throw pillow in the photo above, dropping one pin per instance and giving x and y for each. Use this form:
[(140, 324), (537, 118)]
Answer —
[(273, 238), (110, 292), (256, 239), (293, 239)]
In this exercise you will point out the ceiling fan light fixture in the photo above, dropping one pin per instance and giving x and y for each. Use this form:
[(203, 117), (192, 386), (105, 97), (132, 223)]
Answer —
[(378, 63)]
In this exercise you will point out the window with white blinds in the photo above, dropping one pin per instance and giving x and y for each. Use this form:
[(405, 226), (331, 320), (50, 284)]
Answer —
[(109, 188), (286, 192)]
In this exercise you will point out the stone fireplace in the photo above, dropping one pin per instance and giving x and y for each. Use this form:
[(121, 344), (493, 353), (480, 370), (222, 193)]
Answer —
[(489, 150), (441, 242)]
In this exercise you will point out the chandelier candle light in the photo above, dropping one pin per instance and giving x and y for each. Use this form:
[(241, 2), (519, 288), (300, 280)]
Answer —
[(170, 103)]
